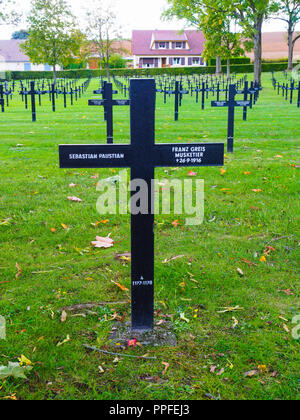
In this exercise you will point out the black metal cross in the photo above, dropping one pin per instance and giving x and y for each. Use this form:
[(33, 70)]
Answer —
[(178, 92), (230, 104), (108, 103), (142, 155)]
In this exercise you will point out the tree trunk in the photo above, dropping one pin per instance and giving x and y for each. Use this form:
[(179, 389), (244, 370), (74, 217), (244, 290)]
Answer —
[(291, 49), (54, 75), (218, 65), (257, 38), (108, 72), (228, 68)]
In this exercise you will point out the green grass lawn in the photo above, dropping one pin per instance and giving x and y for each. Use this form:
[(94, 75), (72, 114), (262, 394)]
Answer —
[(61, 268)]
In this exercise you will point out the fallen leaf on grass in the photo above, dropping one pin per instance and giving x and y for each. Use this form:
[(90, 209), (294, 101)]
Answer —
[(126, 256), (183, 317), (221, 372), (64, 226), (24, 361), (101, 370), (230, 309), (66, 340), (248, 262), (53, 230), (5, 222), (75, 199), (263, 259), (235, 323), (251, 373), (72, 185), (286, 328), (123, 288), (103, 242), (257, 190), (101, 221), (63, 316), (268, 250), (287, 292), (175, 223), (263, 368), (12, 397), (241, 273), (166, 261), (167, 365), (191, 173), (223, 171), (19, 271)]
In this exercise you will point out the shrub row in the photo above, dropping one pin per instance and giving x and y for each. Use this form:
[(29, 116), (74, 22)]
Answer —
[(233, 60), (82, 74)]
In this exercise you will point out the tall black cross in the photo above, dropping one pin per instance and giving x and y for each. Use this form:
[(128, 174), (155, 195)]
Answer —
[(108, 103), (142, 155), (178, 92), (230, 104)]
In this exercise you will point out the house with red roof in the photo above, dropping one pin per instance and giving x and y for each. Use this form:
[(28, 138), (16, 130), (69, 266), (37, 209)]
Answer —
[(159, 48)]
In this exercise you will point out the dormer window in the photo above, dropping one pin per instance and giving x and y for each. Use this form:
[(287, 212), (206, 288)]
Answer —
[(179, 45), (162, 45)]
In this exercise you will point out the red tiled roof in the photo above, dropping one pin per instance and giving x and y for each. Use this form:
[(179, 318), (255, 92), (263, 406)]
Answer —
[(141, 41), (10, 51), (169, 36)]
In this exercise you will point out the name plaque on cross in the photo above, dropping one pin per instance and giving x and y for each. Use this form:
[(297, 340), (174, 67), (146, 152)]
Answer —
[(142, 156)]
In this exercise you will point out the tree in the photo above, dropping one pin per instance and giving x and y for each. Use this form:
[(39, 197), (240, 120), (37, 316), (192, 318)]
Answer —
[(248, 14), (22, 34), (117, 62), (7, 14), (289, 12), (53, 37), (102, 30), (220, 38), (194, 13)]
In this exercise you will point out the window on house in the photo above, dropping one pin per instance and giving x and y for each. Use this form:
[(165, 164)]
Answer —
[(196, 60), (162, 45), (148, 66), (176, 61), (178, 45)]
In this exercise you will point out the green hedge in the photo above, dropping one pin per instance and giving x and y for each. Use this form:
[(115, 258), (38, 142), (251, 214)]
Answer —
[(233, 60), (83, 74)]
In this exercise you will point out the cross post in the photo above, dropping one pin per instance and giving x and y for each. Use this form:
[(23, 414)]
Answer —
[(230, 104), (108, 102)]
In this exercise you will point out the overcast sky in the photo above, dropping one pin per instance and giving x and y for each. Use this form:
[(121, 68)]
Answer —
[(132, 14)]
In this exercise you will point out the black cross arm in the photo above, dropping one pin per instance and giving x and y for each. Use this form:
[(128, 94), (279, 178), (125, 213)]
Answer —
[(126, 156), (95, 156), (206, 154), (220, 104)]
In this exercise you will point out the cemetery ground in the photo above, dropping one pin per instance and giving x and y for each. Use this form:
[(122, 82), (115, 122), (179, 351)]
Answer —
[(231, 294)]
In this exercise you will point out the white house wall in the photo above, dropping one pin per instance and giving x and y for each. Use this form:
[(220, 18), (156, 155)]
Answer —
[(19, 66)]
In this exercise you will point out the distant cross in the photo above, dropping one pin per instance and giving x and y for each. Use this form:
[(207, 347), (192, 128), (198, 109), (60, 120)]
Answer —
[(108, 103), (178, 92), (142, 156), (1, 98), (230, 104)]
